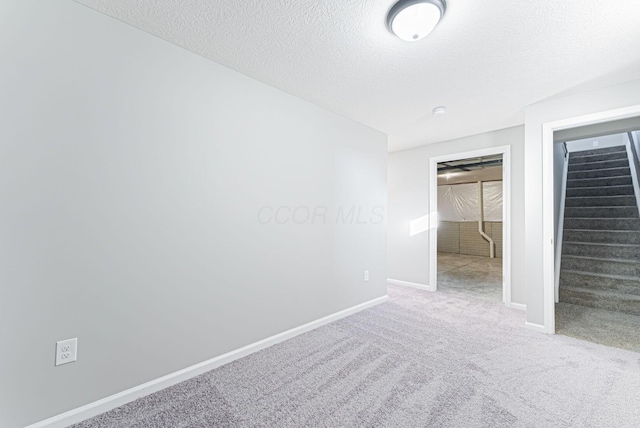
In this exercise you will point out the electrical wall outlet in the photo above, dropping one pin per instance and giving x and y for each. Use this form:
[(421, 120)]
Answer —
[(66, 351), (366, 275)]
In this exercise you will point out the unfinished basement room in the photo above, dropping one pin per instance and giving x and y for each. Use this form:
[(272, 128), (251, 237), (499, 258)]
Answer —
[(470, 225)]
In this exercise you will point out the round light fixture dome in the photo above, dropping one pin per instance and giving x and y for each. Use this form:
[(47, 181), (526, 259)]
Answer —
[(439, 111), (412, 20)]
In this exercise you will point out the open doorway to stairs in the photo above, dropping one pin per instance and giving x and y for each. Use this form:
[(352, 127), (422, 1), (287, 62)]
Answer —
[(469, 247), (597, 231)]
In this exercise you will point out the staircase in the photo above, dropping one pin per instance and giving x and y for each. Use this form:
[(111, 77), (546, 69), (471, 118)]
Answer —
[(600, 265)]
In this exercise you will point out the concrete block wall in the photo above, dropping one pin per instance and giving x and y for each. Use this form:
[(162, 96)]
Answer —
[(494, 230), (449, 237), (463, 238)]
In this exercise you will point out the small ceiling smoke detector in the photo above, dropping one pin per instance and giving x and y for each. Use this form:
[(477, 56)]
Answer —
[(439, 111), (413, 20)]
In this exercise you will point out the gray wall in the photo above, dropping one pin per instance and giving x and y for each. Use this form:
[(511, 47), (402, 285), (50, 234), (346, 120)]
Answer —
[(604, 141), (409, 200), (132, 176)]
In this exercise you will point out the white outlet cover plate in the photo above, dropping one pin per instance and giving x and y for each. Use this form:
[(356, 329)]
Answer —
[(66, 351), (366, 275)]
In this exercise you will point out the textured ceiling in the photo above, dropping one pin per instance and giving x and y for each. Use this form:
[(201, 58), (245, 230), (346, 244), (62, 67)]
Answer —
[(486, 60)]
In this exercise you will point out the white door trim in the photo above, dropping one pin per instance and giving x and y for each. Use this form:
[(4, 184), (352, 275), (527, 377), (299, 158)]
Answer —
[(548, 128), (505, 151)]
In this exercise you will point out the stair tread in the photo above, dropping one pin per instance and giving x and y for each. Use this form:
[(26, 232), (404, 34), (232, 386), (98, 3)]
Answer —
[(600, 230), (603, 157), (601, 178), (599, 244), (603, 218), (582, 154), (598, 150), (599, 197), (613, 294), (604, 275), (591, 163), (601, 187), (611, 148), (603, 207), (599, 169), (625, 186), (613, 212), (602, 259)]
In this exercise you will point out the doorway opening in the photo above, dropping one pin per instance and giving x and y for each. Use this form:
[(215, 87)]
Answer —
[(558, 130), (597, 231), (470, 226), (470, 237)]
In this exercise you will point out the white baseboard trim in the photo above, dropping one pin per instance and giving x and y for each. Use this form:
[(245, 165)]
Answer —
[(97, 407), (519, 306), (411, 284), (535, 327)]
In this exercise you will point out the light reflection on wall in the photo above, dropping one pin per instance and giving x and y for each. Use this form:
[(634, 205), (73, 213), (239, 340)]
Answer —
[(423, 224)]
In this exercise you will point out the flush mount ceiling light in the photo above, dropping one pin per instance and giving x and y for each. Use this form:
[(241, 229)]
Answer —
[(412, 20), (439, 111)]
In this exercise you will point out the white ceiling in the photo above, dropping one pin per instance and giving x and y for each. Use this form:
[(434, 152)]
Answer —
[(486, 60)]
